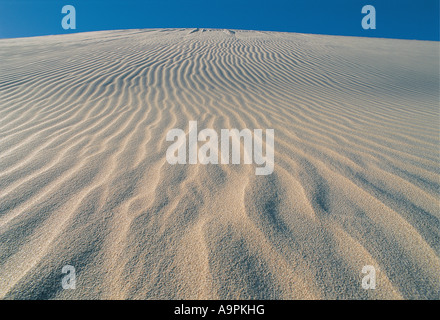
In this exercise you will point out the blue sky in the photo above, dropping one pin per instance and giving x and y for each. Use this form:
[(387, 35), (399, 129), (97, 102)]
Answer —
[(402, 19)]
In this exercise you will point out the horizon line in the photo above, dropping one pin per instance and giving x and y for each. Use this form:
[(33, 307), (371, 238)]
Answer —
[(211, 28)]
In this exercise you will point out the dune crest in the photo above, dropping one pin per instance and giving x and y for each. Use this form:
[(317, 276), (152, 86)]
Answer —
[(84, 179)]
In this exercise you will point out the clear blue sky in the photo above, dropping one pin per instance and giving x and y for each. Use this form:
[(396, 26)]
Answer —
[(405, 19)]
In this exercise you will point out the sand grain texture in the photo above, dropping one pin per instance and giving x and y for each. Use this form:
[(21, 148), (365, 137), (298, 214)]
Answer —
[(84, 180)]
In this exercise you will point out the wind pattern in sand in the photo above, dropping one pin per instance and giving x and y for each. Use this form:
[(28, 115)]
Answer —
[(84, 180)]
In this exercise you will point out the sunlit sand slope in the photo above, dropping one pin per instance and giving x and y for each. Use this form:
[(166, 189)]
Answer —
[(84, 179)]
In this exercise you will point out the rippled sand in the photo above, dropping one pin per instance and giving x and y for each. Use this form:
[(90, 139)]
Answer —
[(84, 180)]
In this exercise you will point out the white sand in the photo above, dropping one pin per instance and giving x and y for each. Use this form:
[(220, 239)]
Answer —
[(84, 180)]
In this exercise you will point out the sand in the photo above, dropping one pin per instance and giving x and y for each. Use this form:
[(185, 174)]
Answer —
[(84, 179)]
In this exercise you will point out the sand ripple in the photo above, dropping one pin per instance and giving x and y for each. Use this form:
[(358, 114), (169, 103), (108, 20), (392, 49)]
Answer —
[(84, 180)]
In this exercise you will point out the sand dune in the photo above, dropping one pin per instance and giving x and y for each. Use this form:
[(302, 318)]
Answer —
[(84, 180)]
